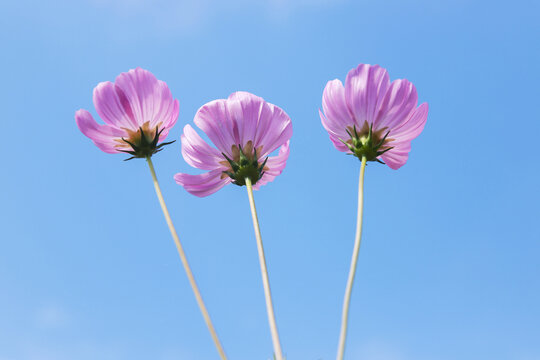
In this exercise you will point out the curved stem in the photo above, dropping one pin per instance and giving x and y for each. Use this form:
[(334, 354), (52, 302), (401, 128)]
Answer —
[(189, 274), (264, 272), (352, 270)]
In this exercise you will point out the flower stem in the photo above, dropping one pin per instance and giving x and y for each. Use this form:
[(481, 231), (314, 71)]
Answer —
[(180, 249), (352, 270), (264, 272)]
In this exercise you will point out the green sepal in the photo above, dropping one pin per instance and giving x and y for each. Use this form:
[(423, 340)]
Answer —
[(263, 165), (245, 168), (144, 148), (363, 145), (234, 165)]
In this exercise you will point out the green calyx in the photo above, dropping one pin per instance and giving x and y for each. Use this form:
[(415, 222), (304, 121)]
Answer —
[(367, 143), (143, 143), (246, 166)]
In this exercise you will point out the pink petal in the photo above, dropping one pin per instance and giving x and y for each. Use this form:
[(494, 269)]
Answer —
[(397, 157), (168, 124), (413, 125), (278, 132), (204, 184), (241, 118), (243, 115), (334, 137), (275, 165), (398, 102), (212, 119), (410, 129), (102, 135), (337, 115), (364, 88), (249, 118), (148, 98), (264, 124), (197, 152), (112, 108), (168, 114)]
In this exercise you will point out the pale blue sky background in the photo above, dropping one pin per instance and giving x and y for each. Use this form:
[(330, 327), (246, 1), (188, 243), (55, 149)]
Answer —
[(449, 266)]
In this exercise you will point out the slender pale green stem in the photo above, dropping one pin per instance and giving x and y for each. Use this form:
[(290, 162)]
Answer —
[(182, 254), (352, 270), (264, 272)]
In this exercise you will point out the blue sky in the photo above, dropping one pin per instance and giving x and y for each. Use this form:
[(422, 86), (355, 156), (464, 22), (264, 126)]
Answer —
[(449, 266)]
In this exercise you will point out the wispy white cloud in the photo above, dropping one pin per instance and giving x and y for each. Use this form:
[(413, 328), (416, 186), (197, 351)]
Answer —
[(291, 5), (192, 15), (177, 353), (377, 350), (51, 316), (163, 14), (73, 351), (524, 355), (36, 349)]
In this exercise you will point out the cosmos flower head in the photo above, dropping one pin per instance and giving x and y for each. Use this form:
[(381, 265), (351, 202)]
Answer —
[(138, 111), (245, 130), (373, 117)]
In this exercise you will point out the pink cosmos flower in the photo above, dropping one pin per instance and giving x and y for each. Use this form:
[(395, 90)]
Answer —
[(138, 111), (372, 117), (246, 130)]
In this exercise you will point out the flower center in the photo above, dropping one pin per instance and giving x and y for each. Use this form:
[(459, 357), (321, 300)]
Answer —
[(368, 143), (244, 164), (142, 142)]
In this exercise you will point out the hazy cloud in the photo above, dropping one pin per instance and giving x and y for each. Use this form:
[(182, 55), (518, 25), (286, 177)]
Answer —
[(377, 350), (191, 15), (51, 316)]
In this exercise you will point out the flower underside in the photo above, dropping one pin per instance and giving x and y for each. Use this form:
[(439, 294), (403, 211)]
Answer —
[(142, 143), (244, 164), (368, 143)]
